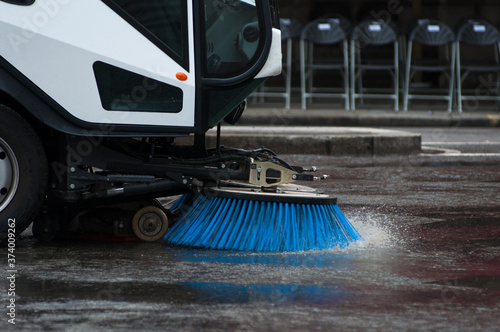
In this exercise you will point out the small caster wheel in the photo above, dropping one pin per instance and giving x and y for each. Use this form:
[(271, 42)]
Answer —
[(45, 229), (150, 224)]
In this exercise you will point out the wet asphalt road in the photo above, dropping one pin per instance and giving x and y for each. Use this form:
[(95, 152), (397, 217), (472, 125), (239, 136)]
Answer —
[(430, 261)]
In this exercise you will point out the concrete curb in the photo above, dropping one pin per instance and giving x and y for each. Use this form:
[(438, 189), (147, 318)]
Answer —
[(426, 158), (332, 141), (335, 117)]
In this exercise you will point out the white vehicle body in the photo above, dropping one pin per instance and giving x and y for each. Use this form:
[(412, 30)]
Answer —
[(56, 43), (64, 58), (93, 94)]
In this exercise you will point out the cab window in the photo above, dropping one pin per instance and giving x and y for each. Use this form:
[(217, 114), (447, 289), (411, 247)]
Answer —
[(232, 36), (164, 22)]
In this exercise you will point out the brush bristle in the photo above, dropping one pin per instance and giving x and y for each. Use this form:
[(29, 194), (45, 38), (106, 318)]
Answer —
[(240, 224)]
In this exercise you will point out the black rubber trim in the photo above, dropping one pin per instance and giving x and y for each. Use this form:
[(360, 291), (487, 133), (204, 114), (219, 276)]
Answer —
[(260, 196), (20, 2), (201, 120)]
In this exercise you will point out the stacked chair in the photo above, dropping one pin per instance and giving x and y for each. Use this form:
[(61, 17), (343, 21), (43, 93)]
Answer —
[(317, 38), (331, 45), (484, 38), (374, 35), (432, 34), (290, 30)]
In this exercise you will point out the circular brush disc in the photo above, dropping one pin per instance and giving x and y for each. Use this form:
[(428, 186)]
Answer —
[(249, 218)]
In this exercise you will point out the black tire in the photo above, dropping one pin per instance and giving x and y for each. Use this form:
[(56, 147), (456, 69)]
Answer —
[(23, 173)]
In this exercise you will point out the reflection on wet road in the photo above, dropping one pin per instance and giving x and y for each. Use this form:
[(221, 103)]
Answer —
[(430, 260)]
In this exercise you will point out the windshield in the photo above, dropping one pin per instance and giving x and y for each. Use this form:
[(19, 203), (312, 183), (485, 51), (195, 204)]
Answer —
[(232, 36)]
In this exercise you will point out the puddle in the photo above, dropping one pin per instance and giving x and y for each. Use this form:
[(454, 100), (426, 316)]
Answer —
[(458, 222), (489, 282)]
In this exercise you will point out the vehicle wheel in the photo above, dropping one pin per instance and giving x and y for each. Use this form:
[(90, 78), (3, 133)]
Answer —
[(23, 172), (150, 223)]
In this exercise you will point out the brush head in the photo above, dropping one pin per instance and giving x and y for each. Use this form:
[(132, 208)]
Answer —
[(284, 194), (254, 220)]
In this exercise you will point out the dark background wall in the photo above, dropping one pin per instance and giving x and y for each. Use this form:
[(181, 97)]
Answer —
[(402, 11)]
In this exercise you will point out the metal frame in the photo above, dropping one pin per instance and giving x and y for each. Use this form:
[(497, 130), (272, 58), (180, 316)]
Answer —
[(488, 68), (356, 76), (307, 73), (461, 78), (409, 75), (431, 33)]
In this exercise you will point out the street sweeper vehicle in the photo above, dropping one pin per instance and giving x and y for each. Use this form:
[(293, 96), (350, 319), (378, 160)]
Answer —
[(95, 96)]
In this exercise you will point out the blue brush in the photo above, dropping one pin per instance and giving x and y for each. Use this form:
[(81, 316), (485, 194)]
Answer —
[(232, 220)]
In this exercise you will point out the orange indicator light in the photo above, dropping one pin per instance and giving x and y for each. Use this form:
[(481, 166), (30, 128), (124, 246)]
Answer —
[(181, 76)]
